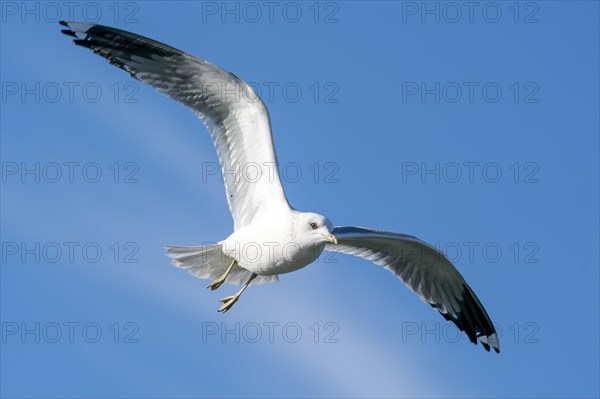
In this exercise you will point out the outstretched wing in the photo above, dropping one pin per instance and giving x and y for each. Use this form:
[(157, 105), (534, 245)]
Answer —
[(236, 118), (425, 271)]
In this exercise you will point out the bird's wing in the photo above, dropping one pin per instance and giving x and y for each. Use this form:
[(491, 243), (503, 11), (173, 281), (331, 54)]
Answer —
[(425, 271), (236, 118)]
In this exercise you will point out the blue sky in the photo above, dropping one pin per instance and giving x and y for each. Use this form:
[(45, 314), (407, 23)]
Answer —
[(473, 129)]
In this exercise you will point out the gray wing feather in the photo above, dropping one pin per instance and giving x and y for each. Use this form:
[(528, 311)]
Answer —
[(426, 272), (236, 118)]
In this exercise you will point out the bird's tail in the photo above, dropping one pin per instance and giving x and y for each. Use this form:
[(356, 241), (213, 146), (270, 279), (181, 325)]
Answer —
[(209, 261)]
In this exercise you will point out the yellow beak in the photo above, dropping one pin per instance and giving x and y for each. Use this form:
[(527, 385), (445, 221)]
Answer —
[(331, 238)]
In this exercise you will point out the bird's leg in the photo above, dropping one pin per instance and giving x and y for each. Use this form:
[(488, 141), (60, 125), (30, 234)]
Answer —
[(228, 301), (218, 282)]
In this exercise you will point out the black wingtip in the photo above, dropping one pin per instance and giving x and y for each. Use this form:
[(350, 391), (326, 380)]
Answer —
[(63, 23), (83, 43), (68, 32)]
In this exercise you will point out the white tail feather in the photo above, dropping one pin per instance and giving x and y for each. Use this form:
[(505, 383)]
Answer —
[(208, 261)]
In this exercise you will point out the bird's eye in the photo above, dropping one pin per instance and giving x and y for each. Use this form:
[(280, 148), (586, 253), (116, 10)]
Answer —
[(313, 226)]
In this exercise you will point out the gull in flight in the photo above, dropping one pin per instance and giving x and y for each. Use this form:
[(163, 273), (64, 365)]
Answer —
[(270, 237)]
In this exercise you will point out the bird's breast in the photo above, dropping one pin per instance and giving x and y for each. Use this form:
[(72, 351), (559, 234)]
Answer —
[(270, 256)]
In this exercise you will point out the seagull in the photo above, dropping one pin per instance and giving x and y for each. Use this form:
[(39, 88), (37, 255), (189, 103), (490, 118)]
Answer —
[(270, 237)]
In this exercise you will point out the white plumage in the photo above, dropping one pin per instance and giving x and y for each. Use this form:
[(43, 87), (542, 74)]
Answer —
[(270, 237)]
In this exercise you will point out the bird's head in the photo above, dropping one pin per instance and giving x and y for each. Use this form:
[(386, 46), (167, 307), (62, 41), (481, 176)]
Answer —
[(313, 229)]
